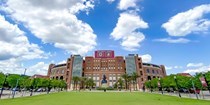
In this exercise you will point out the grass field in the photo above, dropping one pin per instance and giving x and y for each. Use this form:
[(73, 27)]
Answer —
[(101, 98)]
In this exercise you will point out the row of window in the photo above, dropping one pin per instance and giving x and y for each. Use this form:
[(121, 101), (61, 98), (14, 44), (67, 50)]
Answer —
[(57, 72), (103, 68), (153, 71), (110, 78)]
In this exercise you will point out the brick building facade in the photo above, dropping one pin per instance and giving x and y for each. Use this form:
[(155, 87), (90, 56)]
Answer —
[(104, 62)]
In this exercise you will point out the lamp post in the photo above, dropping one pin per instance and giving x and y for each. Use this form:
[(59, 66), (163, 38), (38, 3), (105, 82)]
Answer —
[(14, 90), (160, 85), (32, 86), (6, 75), (49, 87), (24, 83), (13, 95), (177, 86), (194, 88)]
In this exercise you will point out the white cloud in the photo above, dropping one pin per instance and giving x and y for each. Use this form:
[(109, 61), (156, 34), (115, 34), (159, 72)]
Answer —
[(199, 69), (195, 64), (110, 1), (81, 7), (173, 67), (126, 30), (168, 67), (14, 44), (170, 40), (62, 62), (191, 21), (39, 68), (178, 67), (14, 66), (54, 21), (146, 58), (16, 48), (125, 4)]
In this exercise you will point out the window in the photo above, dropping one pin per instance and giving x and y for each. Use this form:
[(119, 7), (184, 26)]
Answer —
[(62, 71), (153, 71), (147, 70), (141, 73)]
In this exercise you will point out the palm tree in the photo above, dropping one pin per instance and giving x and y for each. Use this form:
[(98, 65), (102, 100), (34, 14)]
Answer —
[(82, 82), (120, 83), (75, 80), (90, 83), (134, 77), (125, 77)]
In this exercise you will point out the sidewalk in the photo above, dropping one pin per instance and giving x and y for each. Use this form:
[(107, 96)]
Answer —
[(7, 94), (204, 96)]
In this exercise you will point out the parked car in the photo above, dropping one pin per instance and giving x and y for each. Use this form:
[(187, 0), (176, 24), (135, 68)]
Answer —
[(197, 91), (15, 89), (182, 90), (40, 90), (169, 90)]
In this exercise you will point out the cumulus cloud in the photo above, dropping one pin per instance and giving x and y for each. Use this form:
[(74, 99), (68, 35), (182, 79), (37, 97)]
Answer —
[(146, 58), (173, 67), (170, 40), (191, 21), (62, 62), (198, 69), (14, 44), (55, 21), (39, 68), (125, 4), (14, 66), (110, 1), (195, 64), (127, 30), (16, 48)]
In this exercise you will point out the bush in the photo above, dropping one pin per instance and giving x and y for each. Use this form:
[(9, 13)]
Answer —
[(102, 88)]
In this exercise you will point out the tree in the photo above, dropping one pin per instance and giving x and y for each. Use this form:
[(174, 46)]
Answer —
[(12, 80), (75, 81), (82, 82), (168, 82), (129, 81), (120, 83), (63, 85), (2, 78), (90, 83), (134, 77), (125, 77)]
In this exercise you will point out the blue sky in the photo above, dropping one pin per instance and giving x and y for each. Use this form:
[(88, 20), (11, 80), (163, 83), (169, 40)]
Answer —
[(35, 33)]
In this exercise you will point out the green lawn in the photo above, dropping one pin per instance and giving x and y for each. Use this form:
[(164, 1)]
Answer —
[(102, 98)]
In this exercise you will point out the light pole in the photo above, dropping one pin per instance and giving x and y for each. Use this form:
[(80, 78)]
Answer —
[(6, 75), (49, 87), (32, 86), (194, 88), (160, 85), (13, 95), (14, 90), (177, 86), (24, 83)]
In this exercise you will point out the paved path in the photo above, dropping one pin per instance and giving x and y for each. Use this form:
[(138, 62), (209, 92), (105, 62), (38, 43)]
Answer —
[(204, 96), (7, 94)]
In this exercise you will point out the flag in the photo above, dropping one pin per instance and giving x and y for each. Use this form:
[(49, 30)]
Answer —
[(159, 84), (203, 81)]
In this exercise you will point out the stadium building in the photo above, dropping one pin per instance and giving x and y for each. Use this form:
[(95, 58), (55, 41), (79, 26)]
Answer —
[(104, 62)]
